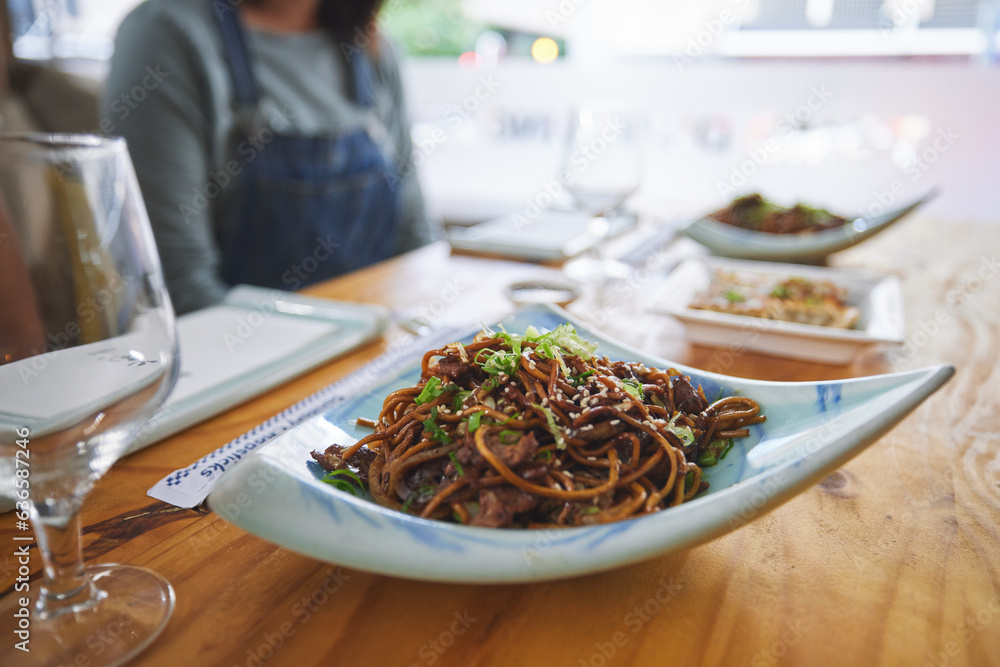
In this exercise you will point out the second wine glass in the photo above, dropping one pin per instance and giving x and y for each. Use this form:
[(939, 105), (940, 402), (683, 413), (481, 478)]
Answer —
[(601, 169)]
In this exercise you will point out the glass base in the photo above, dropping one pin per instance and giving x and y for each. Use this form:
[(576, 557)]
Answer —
[(594, 271), (131, 610)]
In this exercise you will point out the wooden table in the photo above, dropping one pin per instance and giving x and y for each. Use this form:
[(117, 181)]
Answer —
[(893, 560)]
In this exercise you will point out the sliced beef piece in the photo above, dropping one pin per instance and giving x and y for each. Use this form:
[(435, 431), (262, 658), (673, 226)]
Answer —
[(686, 397), (359, 463), (498, 505), (512, 455), (454, 369)]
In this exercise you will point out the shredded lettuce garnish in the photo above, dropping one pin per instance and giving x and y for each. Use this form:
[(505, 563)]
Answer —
[(684, 433), (563, 337), (633, 387), (550, 419)]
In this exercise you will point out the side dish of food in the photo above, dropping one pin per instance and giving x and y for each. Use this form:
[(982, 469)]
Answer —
[(757, 213), (535, 430), (789, 299)]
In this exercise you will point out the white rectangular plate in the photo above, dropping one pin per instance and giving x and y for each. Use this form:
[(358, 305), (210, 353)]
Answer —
[(546, 237), (255, 340), (879, 297)]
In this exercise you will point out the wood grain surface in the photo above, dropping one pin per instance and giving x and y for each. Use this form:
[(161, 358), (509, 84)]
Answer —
[(892, 560)]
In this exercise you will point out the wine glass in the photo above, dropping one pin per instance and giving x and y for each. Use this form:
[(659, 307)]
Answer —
[(601, 168), (88, 352)]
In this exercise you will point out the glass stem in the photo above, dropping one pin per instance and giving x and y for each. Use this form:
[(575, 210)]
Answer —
[(65, 586)]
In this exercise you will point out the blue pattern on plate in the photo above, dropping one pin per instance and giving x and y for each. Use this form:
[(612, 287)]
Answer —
[(828, 395)]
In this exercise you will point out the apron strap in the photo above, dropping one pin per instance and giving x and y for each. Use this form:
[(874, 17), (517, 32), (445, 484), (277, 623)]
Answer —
[(364, 79), (241, 65), (237, 53)]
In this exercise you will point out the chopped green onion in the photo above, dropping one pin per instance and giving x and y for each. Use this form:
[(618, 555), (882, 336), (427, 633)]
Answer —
[(508, 437), (725, 451), (545, 455), (688, 481), (434, 430), (335, 479), (592, 509), (474, 421), (707, 459), (460, 399), (430, 391), (409, 499), (458, 466)]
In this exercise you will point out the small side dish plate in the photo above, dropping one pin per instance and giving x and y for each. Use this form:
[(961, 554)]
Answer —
[(810, 247), (878, 297), (812, 428)]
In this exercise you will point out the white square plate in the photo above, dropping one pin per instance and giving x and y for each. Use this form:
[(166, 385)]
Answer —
[(878, 297)]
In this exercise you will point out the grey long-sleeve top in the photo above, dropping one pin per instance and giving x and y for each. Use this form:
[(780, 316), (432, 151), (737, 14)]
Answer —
[(170, 95)]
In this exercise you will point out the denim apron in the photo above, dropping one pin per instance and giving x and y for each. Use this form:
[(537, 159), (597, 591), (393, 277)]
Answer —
[(304, 208)]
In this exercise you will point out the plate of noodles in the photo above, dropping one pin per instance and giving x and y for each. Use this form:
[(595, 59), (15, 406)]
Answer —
[(788, 310), (537, 449), (751, 227)]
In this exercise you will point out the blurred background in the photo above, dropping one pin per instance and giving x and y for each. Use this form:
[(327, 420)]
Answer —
[(849, 104)]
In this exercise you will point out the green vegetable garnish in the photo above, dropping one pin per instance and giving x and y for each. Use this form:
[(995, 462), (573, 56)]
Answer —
[(729, 445), (460, 399), (715, 452), (545, 455), (550, 420), (474, 421), (458, 466), (430, 391), (707, 459), (780, 292), (732, 296), (409, 499), (683, 433), (633, 387), (688, 481), (592, 509), (335, 479), (436, 431), (508, 437)]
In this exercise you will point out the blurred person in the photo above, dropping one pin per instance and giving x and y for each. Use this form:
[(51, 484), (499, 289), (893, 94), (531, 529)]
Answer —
[(270, 139)]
